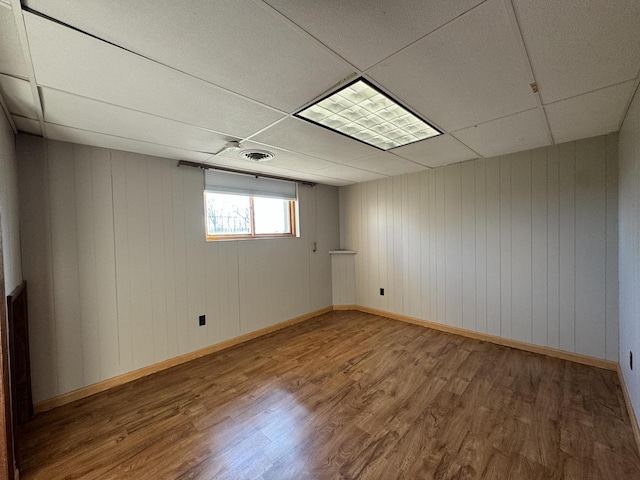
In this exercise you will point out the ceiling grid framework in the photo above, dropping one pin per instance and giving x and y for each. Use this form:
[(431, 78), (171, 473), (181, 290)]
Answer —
[(181, 80), (16, 7), (527, 63)]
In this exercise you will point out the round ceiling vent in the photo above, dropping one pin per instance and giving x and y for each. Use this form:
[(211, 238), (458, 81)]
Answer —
[(257, 155)]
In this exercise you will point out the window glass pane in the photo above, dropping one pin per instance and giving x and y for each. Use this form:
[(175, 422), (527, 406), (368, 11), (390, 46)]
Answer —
[(271, 215), (227, 214)]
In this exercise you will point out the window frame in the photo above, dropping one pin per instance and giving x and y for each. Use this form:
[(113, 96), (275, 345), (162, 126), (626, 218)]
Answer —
[(253, 235)]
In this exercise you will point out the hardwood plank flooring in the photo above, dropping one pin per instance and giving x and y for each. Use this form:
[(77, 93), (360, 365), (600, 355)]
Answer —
[(343, 396)]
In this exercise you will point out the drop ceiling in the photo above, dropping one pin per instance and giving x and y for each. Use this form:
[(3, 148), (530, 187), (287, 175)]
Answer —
[(180, 79)]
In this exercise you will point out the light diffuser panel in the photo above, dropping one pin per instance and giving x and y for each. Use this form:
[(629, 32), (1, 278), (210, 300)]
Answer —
[(362, 112)]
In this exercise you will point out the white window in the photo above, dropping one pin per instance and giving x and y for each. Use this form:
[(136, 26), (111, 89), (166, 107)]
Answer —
[(240, 206)]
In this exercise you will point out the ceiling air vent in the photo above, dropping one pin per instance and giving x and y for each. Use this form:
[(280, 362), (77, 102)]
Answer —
[(257, 155)]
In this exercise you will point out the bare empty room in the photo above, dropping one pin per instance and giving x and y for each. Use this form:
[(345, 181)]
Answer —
[(276, 239)]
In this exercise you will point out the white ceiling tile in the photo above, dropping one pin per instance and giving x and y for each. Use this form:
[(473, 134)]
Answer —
[(386, 163), (17, 94), (284, 159), (303, 137), (365, 32), (468, 72), (436, 151), (577, 46), (28, 125), (71, 61), (590, 114), (83, 137), (78, 112), (514, 133), (240, 45), (347, 173), (11, 58)]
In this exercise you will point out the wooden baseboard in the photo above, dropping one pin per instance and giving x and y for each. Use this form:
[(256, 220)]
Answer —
[(346, 307), (630, 410), (145, 371), (171, 362), (552, 352)]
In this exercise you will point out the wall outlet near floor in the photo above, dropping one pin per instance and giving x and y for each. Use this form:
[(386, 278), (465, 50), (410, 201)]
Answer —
[(202, 320), (382, 292)]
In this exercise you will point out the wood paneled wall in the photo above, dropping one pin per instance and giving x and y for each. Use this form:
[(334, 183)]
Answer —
[(343, 279), (119, 271), (521, 246), (9, 206), (630, 250)]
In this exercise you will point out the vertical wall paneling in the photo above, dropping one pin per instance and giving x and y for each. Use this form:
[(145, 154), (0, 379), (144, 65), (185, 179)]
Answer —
[(404, 225), (158, 266), (363, 279), (567, 241), (539, 244), (64, 247), (327, 231), (343, 270), (386, 210), (216, 287), (505, 247), (433, 248), (441, 247), (398, 244), (87, 270), (9, 202), (37, 263), (294, 272), (168, 229), (629, 246), (383, 301), (453, 239), (250, 273), (425, 237), (338, 281), (373, 245), (365, 242), (180, 261), (481, 245), (501, 245), (222, 280), (119, 270), (106, 295), (521, 273), (611, 325), (469, 255), (342, 214), (553, 249), (137, 215), (414, 250), (590, 235), (492, 175), (353, 221), (194, 234), (125, 348)]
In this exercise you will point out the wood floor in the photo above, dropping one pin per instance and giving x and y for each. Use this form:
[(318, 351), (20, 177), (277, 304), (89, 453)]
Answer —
[(346, 395)]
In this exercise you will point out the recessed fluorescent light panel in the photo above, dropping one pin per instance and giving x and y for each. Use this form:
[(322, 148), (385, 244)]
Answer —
[(363, 112)]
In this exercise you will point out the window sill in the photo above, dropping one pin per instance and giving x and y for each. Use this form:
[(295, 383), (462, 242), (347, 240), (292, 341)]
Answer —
[(230, 238)]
